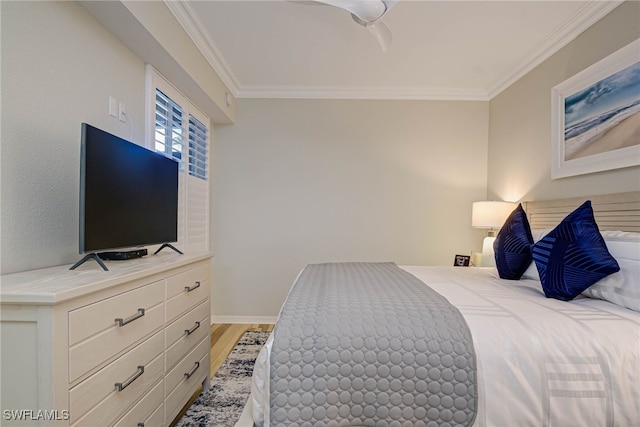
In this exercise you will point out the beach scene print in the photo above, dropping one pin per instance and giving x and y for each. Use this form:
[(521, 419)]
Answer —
[(604, 116)]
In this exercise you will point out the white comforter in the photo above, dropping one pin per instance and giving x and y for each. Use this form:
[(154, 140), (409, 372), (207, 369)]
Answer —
[(541, 362)]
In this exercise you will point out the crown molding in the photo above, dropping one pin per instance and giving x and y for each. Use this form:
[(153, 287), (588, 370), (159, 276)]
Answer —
[(584, 18), (188, 19), (373, 93)]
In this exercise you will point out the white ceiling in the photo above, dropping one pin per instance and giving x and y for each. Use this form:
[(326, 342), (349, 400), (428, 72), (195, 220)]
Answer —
[(441, 49)]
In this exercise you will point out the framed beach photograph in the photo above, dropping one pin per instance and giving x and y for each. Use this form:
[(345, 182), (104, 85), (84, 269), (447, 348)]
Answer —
[(596, 116)]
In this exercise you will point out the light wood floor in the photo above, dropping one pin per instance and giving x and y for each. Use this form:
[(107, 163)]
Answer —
[(224, 336)]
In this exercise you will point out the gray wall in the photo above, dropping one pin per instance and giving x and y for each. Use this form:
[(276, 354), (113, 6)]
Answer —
[(520, 119), (306, 181), (59, 68)]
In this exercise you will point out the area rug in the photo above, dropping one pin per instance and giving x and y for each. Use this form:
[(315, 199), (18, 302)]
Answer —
[(222, 404)]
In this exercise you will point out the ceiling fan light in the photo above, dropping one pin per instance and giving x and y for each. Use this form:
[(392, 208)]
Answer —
[(367, 10)]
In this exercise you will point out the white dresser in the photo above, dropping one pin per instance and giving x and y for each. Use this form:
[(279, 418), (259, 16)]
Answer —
[(88, 347)]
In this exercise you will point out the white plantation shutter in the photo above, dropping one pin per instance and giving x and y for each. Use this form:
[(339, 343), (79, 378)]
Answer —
[(181, 131), (198, 182), (182, 212), (168, 127), (198, 214), (198, 148), (197, 233)]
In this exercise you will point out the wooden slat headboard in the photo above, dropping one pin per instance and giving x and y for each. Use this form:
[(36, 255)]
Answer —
[(619, 211)]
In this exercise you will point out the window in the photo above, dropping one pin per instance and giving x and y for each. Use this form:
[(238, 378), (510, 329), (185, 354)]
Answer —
[(198, 143), (168, 127), (178, 129)]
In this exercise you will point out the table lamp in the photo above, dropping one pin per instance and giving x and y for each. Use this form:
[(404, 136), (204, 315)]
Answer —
[(490, 215)]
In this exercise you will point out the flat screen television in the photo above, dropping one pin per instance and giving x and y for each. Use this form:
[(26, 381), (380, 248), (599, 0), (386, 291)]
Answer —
[(128, 195)]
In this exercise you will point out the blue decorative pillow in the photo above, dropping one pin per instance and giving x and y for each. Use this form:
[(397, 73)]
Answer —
[(512, 246), (573, 256)]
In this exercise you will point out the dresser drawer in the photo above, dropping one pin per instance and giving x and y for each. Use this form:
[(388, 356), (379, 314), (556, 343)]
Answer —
[(97, 400), (183, 334), (177, 283), (177, 376), (100, 316), (149, 411), (186, 290), (155, 419), (184, 387), (95, 333)]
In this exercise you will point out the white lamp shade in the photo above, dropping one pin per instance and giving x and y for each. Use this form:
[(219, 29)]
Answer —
[(490, 214)]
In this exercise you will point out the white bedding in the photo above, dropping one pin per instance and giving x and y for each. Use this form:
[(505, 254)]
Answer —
[(541, 362)]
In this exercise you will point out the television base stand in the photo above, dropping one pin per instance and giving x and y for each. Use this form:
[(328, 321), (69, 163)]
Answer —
[(168, 245), (87, 257)]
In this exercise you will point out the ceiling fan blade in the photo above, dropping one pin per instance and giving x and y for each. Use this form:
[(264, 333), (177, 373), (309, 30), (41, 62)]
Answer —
[(368, 13), (382, 33)]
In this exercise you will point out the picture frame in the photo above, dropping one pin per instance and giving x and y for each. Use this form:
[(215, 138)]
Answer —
[(596, 116), (461, 261)]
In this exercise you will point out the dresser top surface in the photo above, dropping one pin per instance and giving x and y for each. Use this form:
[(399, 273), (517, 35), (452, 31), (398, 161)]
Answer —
[(53, 285)]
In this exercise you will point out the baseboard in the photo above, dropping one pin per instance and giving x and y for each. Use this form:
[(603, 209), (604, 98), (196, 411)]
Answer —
[(243, 319)]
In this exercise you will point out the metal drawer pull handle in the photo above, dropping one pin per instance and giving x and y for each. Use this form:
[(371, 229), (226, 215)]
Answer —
[(140, 424), (187, 375), (138, 315), (192, 330), (122, 386), (189, 289)]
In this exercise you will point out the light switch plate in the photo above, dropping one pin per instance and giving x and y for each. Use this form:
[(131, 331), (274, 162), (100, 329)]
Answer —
[(113, 107), (122, 112)]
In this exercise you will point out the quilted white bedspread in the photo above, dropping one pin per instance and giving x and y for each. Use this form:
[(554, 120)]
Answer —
[(541, 362)]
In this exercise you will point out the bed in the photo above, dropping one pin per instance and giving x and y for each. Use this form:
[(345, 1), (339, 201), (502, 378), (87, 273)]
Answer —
[(517, 358)]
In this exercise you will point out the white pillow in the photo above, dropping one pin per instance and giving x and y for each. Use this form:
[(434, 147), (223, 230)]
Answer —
[(539, 233), (532, 271), (621, 288), (621, 236)]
